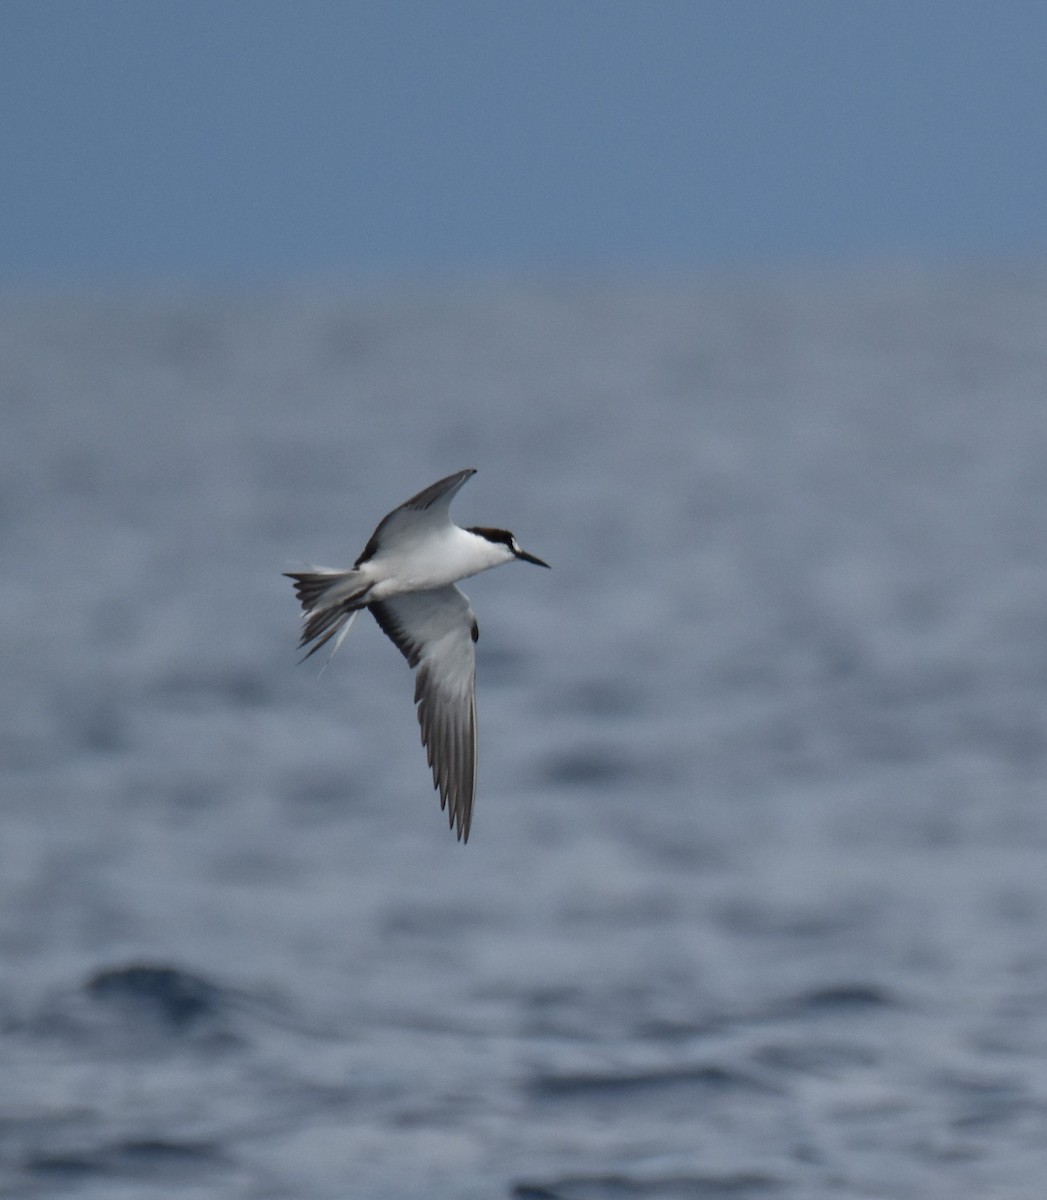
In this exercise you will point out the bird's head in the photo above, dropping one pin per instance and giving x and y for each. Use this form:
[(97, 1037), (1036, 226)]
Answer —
[(503, 538)]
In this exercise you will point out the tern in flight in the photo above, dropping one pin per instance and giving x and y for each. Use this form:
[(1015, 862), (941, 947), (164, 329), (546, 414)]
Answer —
[(406, 576)]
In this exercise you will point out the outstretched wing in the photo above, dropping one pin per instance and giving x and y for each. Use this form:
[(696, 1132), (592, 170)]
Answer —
[(436, 631), (429, 510)]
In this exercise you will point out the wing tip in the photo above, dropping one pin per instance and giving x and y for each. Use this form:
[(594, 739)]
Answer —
[(459, 808)]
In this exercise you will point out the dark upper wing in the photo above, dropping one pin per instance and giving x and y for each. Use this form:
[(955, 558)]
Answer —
[(436, 631), (431, 507)]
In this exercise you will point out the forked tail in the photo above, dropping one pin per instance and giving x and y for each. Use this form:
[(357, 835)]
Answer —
[(330, 601)]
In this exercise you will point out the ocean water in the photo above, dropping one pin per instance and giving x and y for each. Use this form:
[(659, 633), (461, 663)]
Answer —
[(755, 902)]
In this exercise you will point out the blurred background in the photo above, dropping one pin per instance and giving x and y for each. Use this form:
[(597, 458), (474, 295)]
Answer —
[(335, 140), (740, 311)]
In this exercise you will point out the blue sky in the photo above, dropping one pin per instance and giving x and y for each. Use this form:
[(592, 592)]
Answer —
[(248, 139)]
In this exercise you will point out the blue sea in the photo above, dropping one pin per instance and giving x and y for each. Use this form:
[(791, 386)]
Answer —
[(755, 899)]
